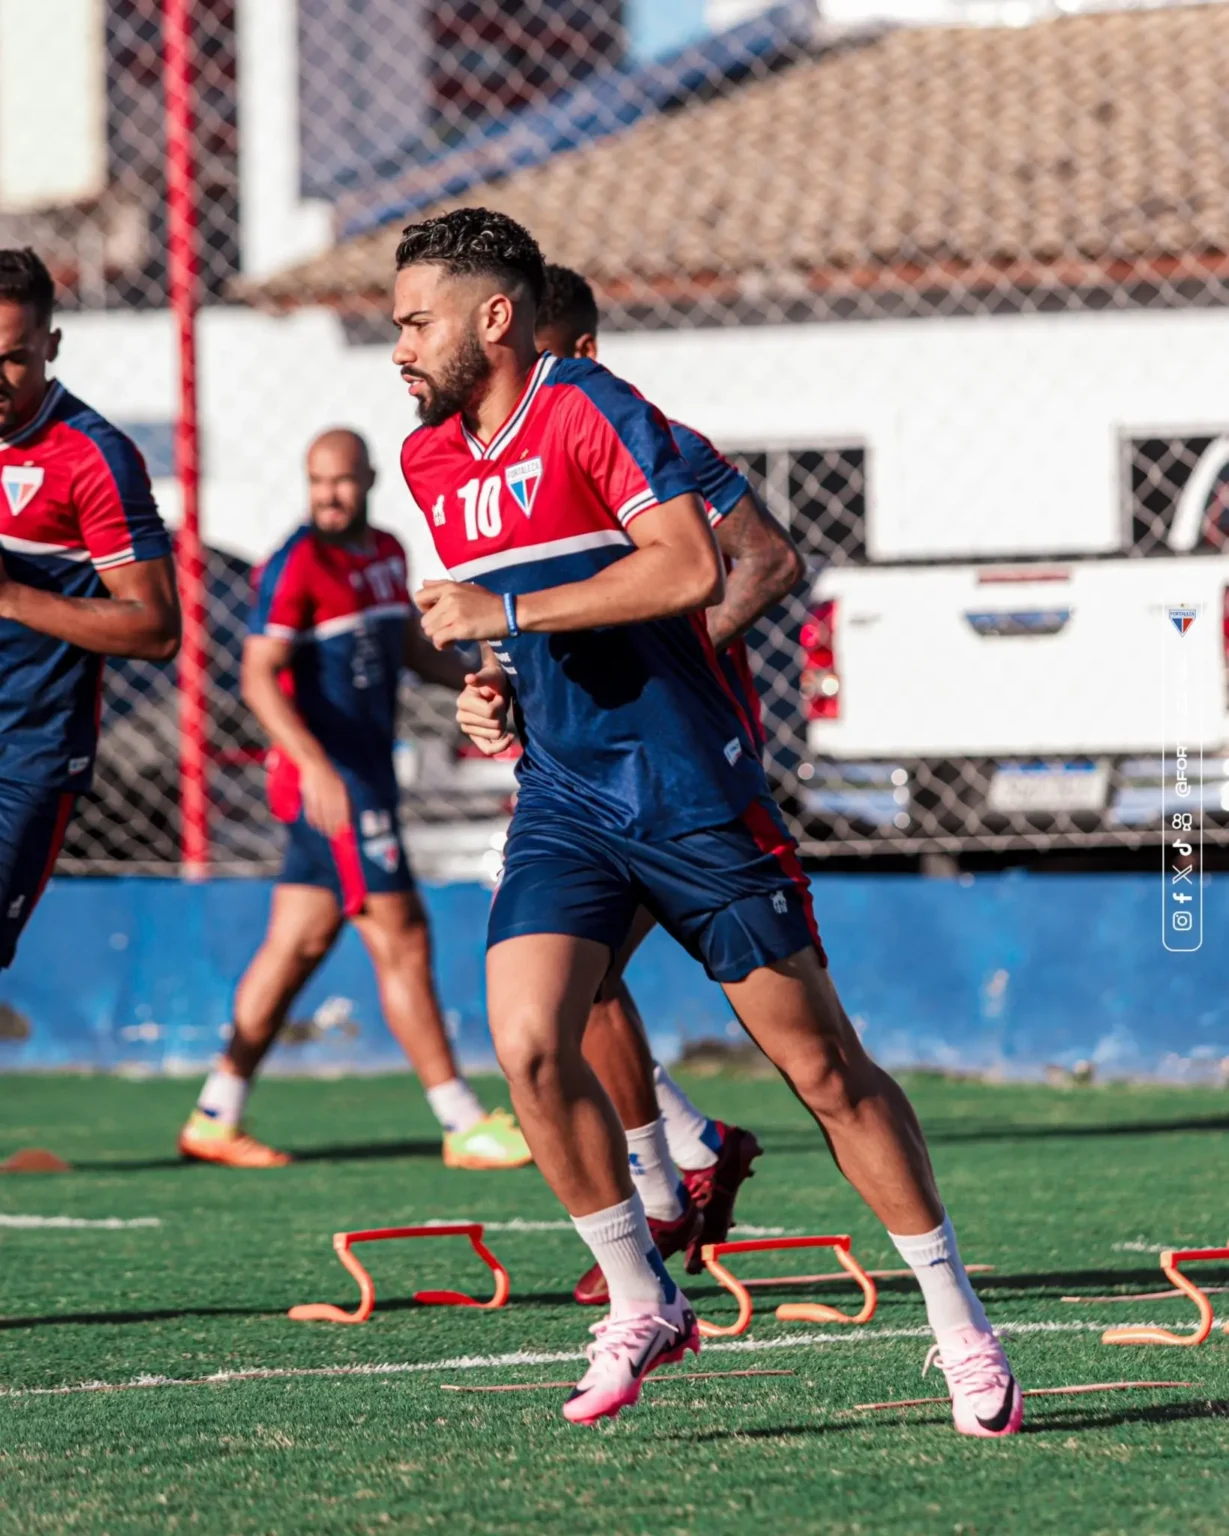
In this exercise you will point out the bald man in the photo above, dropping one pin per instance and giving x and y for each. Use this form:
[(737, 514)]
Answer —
[(331, 629)]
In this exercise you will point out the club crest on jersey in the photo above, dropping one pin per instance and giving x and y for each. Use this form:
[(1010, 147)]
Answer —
[(523, 480), (1182, 619), (21, 484), (384, 851)]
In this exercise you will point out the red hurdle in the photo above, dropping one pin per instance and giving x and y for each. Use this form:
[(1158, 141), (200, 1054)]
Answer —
[(788, 1312), (326, 1312), (1147, 1333)]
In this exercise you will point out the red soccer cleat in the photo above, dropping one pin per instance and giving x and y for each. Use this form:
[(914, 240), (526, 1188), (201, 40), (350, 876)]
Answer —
[(670, 1236), (715, 1188)]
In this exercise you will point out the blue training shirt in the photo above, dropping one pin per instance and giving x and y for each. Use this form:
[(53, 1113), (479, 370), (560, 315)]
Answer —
[(633, 725)]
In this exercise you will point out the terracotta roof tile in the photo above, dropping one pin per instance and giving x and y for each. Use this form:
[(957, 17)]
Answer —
[(928, 155)]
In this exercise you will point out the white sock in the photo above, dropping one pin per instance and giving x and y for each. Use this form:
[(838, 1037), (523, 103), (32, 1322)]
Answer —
[(951, 1301), (693, 1138), (618, 1238), (653, 1172), (223, 1097), (455, 1105)]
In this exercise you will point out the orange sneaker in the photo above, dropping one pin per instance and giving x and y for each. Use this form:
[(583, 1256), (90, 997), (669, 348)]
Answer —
[(209, 1141)]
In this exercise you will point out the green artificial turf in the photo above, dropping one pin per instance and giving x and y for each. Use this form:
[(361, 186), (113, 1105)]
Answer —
[(1062, 1191)]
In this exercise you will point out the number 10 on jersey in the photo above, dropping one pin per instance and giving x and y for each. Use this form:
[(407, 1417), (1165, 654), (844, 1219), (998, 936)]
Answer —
[(480, 499)]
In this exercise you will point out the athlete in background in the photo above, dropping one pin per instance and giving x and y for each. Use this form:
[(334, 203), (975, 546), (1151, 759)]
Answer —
[(580, 555), (86, 573), (664, 1129), (331, 630)]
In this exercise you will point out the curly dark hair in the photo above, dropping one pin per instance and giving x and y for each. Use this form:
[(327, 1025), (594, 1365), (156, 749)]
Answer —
[(24, 279), (569, 307), (469, 241)]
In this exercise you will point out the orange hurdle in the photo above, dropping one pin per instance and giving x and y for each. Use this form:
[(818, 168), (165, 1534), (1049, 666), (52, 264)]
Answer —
[(325, 1312), (788, 1312), (1146, 1333)]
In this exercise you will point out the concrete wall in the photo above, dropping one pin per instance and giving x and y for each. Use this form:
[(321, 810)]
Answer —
[(1005, 974), (986, 435)]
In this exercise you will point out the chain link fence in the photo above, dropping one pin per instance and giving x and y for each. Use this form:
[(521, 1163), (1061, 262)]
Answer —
[(952, 295)]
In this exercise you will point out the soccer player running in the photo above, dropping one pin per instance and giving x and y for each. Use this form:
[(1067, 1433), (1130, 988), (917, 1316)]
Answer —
[(331, 629), (579, 551), (85, 572), (664, 1129)]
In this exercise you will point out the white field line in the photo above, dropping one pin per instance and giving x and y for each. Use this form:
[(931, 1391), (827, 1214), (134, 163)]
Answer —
[(518, 1225), (76, 1223), (119, 1224), (513, 1358), (1139, 1246)]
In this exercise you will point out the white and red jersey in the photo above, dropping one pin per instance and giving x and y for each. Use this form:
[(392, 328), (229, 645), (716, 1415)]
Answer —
[(344, 607), (635, 723), (75, 500)]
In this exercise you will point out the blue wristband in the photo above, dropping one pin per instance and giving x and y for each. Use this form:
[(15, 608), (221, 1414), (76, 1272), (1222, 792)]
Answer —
[(510, 615)]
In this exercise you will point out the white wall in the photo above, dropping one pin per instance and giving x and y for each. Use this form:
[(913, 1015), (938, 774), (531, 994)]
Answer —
[(52, 102), (277, 227), (994, 435), (267, 386)]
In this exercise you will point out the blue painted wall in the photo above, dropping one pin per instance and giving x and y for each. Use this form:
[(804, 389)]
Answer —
[(1005, 972)]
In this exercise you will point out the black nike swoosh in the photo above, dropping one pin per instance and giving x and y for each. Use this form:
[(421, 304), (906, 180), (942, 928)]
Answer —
[(650, 1349), (1000, 1420)]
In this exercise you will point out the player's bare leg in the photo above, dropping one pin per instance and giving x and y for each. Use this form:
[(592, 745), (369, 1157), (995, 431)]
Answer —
[(616, 1044), (793, 1014), (618, 1051), (684, 1212), (792, 1011), (394, 930), (616, 1048), (540, 988), (303, 926), (304, 921), (393, 927)]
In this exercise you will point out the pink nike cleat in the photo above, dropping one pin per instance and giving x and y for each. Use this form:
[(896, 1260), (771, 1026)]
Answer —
[(623, 1352), (986, 1397)]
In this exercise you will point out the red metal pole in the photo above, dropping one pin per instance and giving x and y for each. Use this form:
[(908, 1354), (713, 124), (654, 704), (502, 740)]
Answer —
[(183, 272)]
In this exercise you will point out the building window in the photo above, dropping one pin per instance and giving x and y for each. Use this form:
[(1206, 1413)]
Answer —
[(819, 494), (1177, 493)]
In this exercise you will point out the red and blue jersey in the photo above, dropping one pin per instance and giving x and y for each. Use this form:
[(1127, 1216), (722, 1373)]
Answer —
[(723, 486), (634, 724), (75, 500), (344, 609)]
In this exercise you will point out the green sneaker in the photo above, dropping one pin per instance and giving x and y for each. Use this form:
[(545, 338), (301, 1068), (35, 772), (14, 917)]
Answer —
[(495, 1142)]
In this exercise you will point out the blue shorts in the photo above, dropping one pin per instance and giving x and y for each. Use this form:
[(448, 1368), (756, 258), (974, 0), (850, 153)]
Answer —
[(33, 821), (368, 858), (734, 896)]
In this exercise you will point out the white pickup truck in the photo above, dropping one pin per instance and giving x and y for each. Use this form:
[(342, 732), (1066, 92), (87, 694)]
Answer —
[(1012, 699)]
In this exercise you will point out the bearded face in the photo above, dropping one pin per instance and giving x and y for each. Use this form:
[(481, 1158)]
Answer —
[(453, 383)]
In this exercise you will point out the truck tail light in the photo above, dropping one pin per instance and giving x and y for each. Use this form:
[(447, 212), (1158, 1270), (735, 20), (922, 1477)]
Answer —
[(1224, 629), (821, 683)]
